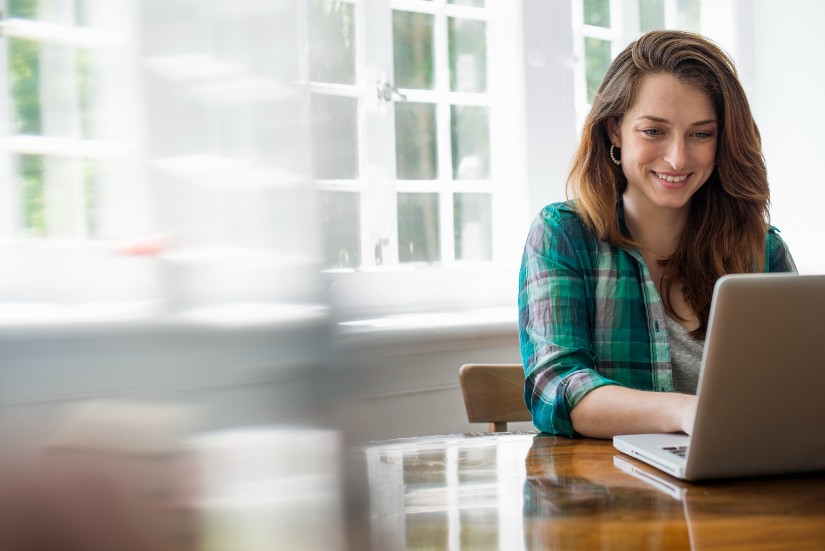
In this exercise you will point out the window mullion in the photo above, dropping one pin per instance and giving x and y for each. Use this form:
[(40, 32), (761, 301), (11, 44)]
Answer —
[(379, 220), (362, 87), (444, 135), (617, 27), (630, 21), (121, 180), (447, 235), (671, 14)]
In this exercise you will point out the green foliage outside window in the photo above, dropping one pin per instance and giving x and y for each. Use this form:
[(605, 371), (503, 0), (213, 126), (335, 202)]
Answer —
[(597, 60), (25, 86), (597, 13), (651, 15), (22, 9), (31, 174)]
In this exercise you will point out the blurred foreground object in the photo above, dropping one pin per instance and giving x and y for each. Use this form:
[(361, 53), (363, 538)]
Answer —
[(267, 489), (114, 475), (129, 476)]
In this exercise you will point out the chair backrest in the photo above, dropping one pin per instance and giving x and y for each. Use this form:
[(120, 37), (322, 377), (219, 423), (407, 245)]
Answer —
[(494, 394)]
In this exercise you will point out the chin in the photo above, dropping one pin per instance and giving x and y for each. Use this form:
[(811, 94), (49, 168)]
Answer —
[(671, 203)]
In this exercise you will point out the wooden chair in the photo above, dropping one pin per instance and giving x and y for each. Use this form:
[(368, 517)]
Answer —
[(494, 394)]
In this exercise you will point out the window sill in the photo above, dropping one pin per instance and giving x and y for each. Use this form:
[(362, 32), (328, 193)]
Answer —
[(390, 293), (130, 317), (493, 325)]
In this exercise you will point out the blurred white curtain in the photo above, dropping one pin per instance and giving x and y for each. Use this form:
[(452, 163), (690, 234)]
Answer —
[(227, 143)]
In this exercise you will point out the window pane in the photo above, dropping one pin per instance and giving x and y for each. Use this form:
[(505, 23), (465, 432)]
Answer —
[(597, 59), (473, 219), (468, 55), (474, 3), (331, 42), (53, 79), (412, 42), (334, 137), (62, 12), (82, 12), (58, 196), (418, 227), (651, 15), (688, 11), (30, 172), (25, 86), (340, 215), (416, 155), (22, 9), (470, 142), (86, 88), (61, 72), (91, 196), (597, 12)]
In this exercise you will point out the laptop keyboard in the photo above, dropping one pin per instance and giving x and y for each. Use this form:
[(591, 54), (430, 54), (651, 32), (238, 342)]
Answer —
[(681, 451)]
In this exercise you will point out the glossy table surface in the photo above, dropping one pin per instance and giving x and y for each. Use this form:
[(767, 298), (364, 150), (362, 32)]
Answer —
[(535, 491)]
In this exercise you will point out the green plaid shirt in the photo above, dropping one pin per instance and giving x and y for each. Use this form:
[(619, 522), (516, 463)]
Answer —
[(590, 315)]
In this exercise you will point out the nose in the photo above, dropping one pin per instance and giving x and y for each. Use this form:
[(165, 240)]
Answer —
[(676, 154)]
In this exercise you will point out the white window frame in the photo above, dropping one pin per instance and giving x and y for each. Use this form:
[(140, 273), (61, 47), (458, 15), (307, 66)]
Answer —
[(393, 287), (444, 185)]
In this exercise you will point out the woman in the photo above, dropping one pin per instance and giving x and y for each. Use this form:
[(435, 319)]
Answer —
[(668, 193)]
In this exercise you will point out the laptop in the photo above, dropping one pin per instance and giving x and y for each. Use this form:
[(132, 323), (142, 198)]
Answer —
[(761, 391)]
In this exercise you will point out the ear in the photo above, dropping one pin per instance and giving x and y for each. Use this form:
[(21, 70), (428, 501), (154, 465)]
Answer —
[(613, 131)]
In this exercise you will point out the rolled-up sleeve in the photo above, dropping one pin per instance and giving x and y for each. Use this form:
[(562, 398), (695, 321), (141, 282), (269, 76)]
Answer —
[(555, 325)]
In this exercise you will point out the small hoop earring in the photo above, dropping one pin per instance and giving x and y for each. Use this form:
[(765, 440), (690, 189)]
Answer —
[(613, 158)]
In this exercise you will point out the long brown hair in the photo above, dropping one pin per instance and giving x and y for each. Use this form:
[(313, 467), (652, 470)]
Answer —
[(728, 220)]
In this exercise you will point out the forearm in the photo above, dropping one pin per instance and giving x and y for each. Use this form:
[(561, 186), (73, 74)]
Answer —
[(610, 410)]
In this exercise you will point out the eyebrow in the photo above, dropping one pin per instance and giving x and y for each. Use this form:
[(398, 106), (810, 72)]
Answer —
[(665, 121)]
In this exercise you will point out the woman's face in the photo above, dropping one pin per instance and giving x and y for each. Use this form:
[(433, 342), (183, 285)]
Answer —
[(668, 143)]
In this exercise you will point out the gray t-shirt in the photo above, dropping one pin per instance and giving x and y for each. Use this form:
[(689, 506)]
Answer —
[(685, 357)]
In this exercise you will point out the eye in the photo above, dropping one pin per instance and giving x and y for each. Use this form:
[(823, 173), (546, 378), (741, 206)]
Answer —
[(652, 132), (703, 135)]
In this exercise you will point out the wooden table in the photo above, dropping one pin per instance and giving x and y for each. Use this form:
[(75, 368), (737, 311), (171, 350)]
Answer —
[(535, 491)]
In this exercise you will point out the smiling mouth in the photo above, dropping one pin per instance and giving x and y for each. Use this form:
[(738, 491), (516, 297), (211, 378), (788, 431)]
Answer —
[(672, 179)]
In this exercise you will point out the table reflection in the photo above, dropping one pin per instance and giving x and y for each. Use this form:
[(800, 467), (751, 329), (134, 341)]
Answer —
[(575, 499), (535, 491)]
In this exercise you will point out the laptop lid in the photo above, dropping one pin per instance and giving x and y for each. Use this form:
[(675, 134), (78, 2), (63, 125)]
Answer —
[(762, 380)]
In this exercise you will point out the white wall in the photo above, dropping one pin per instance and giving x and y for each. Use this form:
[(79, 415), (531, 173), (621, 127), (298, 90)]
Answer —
[(548, 100), (404, 382), (788, 45)]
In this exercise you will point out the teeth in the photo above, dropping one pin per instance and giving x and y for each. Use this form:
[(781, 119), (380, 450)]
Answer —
[(672, 179)]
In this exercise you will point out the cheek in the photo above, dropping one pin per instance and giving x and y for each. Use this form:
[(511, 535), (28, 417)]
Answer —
[(640, 153), (707, 154)]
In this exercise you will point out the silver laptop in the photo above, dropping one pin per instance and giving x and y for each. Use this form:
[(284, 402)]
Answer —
[(761, 392)]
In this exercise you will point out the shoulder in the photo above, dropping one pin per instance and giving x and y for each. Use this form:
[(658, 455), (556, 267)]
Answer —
[(560, 236), (777, 254), (560, 220), (773, 238)]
